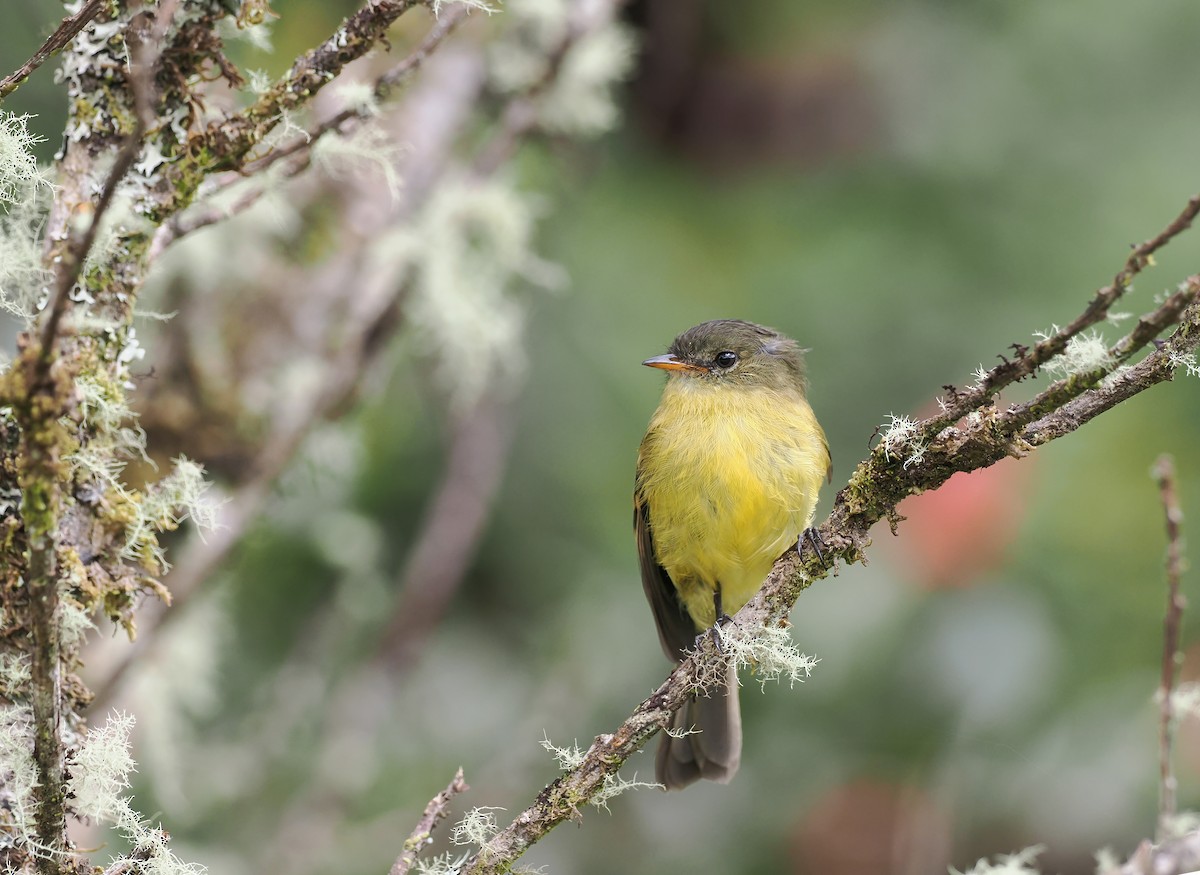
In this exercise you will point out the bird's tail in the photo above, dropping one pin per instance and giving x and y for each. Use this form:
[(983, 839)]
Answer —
[(712, 746)]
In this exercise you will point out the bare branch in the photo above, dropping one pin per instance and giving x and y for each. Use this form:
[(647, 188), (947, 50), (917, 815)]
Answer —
[(1164, 473), (435, 812), (450, 532), (63, 34)]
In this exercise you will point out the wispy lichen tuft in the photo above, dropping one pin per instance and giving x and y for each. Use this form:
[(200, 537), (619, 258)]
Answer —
[(442, 864), (567, 757), (368, 149), (468, 250), (898, 438), (1007, 864), (18, 774), (179, 496), (24, 196), (1084, 353), (477, 826), (579, 99), (572, 757), (769, 652), (1187, 361), (19, 170), (101, 769)]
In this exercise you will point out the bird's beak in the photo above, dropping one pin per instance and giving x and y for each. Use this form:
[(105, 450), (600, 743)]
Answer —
[(670, 362)]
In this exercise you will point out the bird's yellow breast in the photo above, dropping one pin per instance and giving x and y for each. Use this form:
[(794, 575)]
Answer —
[(730, 477)]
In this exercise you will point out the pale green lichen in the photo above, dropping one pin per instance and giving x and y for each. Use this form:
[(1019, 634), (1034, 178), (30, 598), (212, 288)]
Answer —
[(1007, 864), (464, 258), (481, 5), (1185, 360), (578, 101), (442, 864), (476, 827), (1083, 354), (898, 438), (18, 773), (14, 674), (19, 170), (179, 496), (768, 651), (24, 195), (100, 770), (569, 758), (369, 149)]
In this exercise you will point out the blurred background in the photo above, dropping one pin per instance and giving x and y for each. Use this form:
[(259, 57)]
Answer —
[(906, 187)]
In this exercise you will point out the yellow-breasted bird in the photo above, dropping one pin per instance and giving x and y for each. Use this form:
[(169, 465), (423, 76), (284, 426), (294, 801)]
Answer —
[(727, 480)]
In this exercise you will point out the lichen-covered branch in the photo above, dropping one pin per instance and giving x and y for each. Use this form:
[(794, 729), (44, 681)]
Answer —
[(40, 391), (299, 151), (1027, 360), (434, 813), (225, 144), (85, 542), (911, 458)]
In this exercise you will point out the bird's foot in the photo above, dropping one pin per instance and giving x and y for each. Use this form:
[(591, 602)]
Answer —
[(722, 619), (814, 539)]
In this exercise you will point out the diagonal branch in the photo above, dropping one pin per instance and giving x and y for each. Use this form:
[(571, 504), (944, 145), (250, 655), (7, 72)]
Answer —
[(300, 151), (66, 31), (1029, 360), (226, 144), (877, 486), (435, 812)]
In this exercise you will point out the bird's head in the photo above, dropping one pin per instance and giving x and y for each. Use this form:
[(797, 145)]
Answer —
[(732, 352)]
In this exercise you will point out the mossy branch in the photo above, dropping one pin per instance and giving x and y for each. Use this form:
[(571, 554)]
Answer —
[(972, 434), (226, 144)]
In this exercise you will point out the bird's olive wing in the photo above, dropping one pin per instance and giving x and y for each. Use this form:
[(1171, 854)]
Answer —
[(675, 628)]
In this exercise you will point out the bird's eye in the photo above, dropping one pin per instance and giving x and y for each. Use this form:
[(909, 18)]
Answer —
[(726, 359)]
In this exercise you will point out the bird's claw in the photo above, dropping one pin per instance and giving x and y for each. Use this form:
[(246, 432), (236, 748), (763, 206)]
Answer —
[(814, 539)]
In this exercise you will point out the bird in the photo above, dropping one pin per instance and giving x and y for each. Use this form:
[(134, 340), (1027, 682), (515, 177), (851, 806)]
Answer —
[(727, 480)]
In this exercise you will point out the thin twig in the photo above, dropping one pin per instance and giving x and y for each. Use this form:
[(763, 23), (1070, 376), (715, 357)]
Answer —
[(520, 116), (1148, 327), (66, 31), (384, 85), (435, 812), (225, 144), (450, 532), (300, 150), (1164, 473), (1029, 360)]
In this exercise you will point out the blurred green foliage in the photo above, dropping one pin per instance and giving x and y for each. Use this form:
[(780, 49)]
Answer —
[(1016, 150)]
